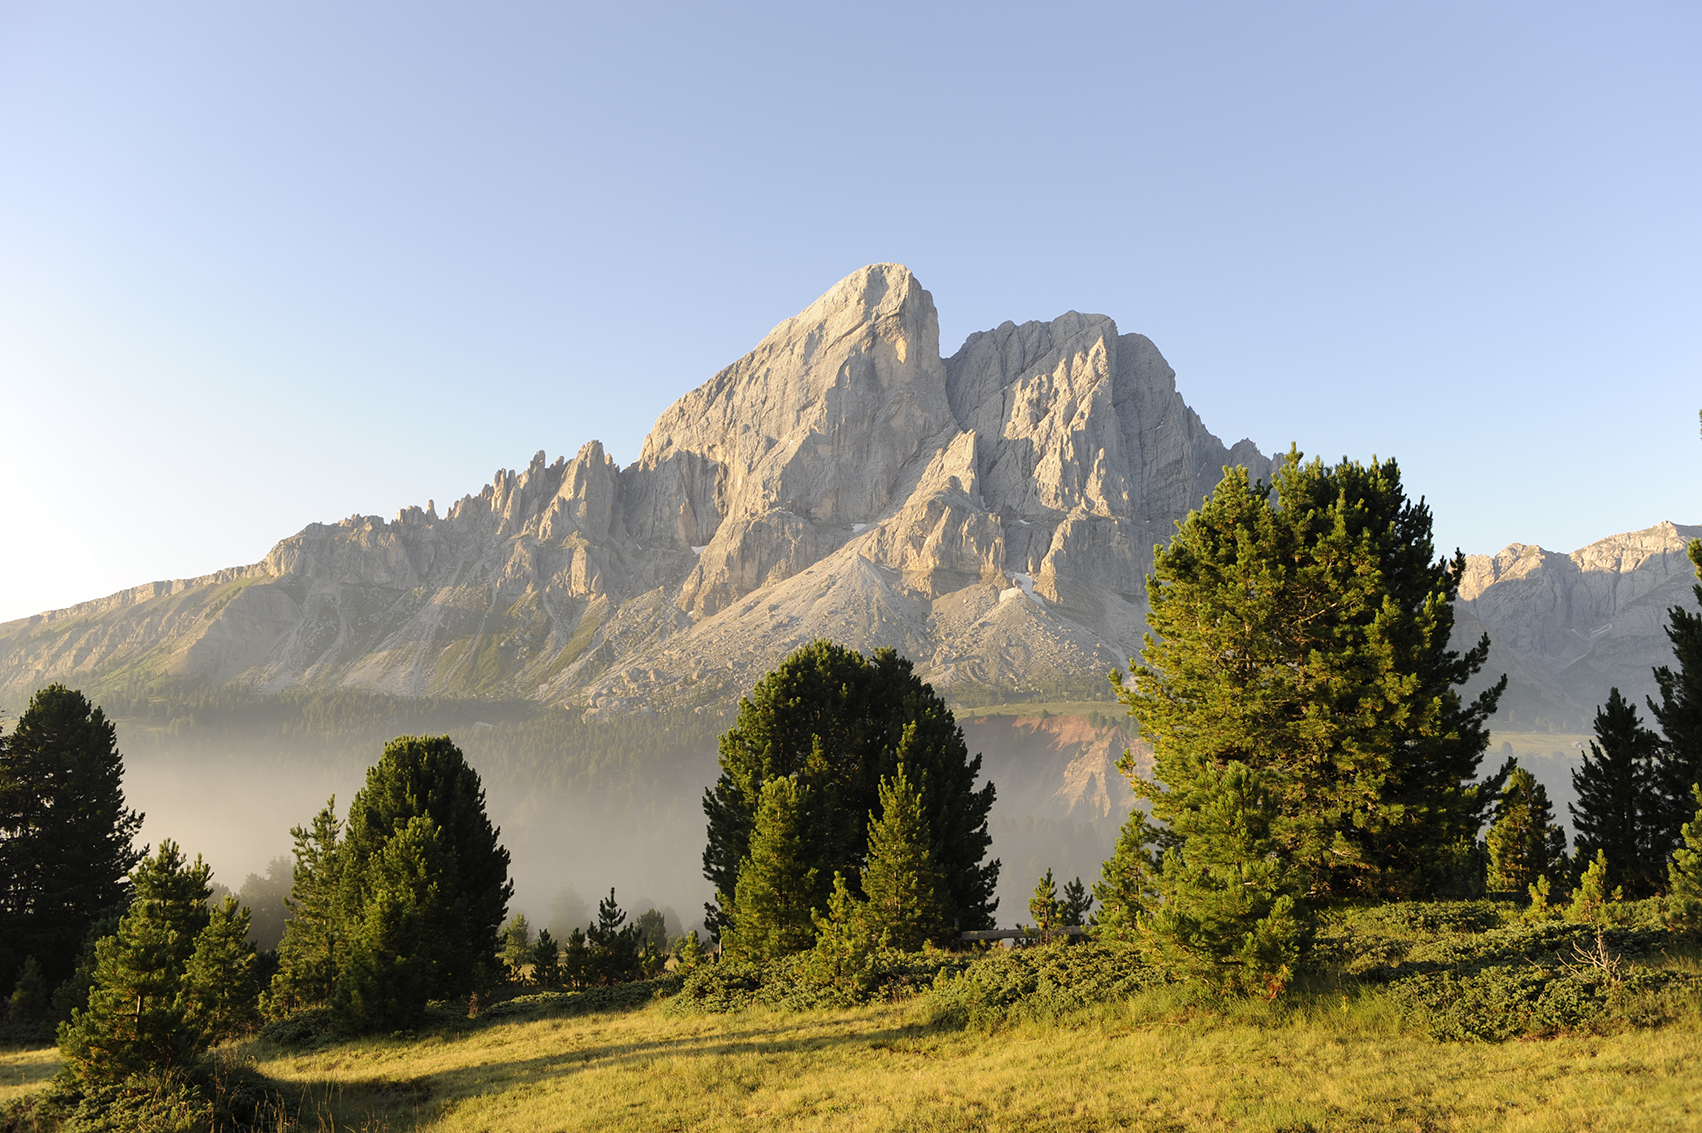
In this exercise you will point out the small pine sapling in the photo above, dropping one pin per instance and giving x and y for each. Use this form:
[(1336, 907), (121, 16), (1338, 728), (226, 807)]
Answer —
[(1045, 907), (1078, 903), (843, 955), (1591, 901)]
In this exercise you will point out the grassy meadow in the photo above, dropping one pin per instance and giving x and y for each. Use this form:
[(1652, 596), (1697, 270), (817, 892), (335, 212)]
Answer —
[(1152, 1062)]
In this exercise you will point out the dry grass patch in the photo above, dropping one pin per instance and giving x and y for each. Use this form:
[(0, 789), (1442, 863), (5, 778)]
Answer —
[(25, 1071), (878, 1069)]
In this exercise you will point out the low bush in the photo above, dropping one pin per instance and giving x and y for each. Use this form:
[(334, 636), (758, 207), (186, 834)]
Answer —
[(1037, 983)]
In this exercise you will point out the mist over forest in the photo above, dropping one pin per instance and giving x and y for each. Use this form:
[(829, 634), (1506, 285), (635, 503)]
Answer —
[(581, 806)]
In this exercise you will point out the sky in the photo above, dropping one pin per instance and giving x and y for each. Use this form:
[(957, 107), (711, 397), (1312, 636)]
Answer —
[(265, 265)]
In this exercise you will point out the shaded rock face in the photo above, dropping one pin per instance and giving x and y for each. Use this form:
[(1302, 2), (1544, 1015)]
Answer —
[(991, 515), (1567, 628)]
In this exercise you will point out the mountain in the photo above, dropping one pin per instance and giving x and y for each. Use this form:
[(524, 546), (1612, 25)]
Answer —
[(990, 514), (1567, 628)]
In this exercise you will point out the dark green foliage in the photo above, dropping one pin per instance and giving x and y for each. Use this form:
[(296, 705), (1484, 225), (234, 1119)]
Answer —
[(576, 961), (839, 722), (1077, 904), (1511, 1001), (1680, 716), (613, 950), (65, 833), (770, 914), (1524, 842), (1045, 908), (1037, 983), (546, 960), (1306, 638), (405, 936), (28, 1012), (315, 941), (901, 884), (1226, 909), (1125, 885), (220, 990), (1619, 808), (652, 929), (136, 1020), (427, 777)]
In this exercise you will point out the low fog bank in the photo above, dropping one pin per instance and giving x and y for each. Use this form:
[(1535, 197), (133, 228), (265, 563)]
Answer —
[(236, 811), (636, 824)]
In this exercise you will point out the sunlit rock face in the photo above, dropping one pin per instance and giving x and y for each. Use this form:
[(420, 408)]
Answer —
[(1566, 628), (991, 515)]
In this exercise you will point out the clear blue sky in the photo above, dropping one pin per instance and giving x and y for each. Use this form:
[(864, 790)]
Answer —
[(267, 264)]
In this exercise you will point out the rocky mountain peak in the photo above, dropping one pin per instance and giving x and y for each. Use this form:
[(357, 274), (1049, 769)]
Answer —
[(991, 515)]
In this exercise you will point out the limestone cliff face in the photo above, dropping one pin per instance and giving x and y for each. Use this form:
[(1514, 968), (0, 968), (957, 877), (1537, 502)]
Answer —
[(1566, 628), (991, 515)]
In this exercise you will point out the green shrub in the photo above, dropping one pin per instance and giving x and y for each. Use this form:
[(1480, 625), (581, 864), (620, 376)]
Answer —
[(1043, 982)]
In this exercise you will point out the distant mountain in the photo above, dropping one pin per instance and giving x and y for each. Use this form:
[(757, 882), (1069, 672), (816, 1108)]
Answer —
[(1566, 628), (990, 514)]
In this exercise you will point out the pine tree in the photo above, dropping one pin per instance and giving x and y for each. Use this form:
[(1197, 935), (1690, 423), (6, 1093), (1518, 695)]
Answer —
[(1307, 638), (315, 942), (1125, 887), (220, 991), (900, 882), (1618, 806), (846, 942), (1684, 875), (65, 833), (1680, 716), (1590, 901), (546, 960), (403, 939), (1077, 904), (1524, 843), (429, 777), (1045, 908), (516, 945), (613, 946), (576, 960), (28, 1007), (1225, 909), (135, 1022), (770, 909), (839, 722)]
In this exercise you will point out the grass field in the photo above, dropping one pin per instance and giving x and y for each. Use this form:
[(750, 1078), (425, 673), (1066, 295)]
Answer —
[(883, 1068)]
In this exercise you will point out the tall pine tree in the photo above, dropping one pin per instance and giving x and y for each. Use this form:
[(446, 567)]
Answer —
[(428, 777), (405, 935), (776, 888), (65, 833), (1619, 808), (1680, 716), (839, 722), (315, 942), (1306, 638)]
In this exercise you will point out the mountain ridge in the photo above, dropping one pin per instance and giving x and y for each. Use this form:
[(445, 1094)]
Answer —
[(991, 514)]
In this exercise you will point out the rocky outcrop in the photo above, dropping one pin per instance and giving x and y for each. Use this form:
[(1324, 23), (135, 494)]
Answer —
[(991, 515), (1567, 628)]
